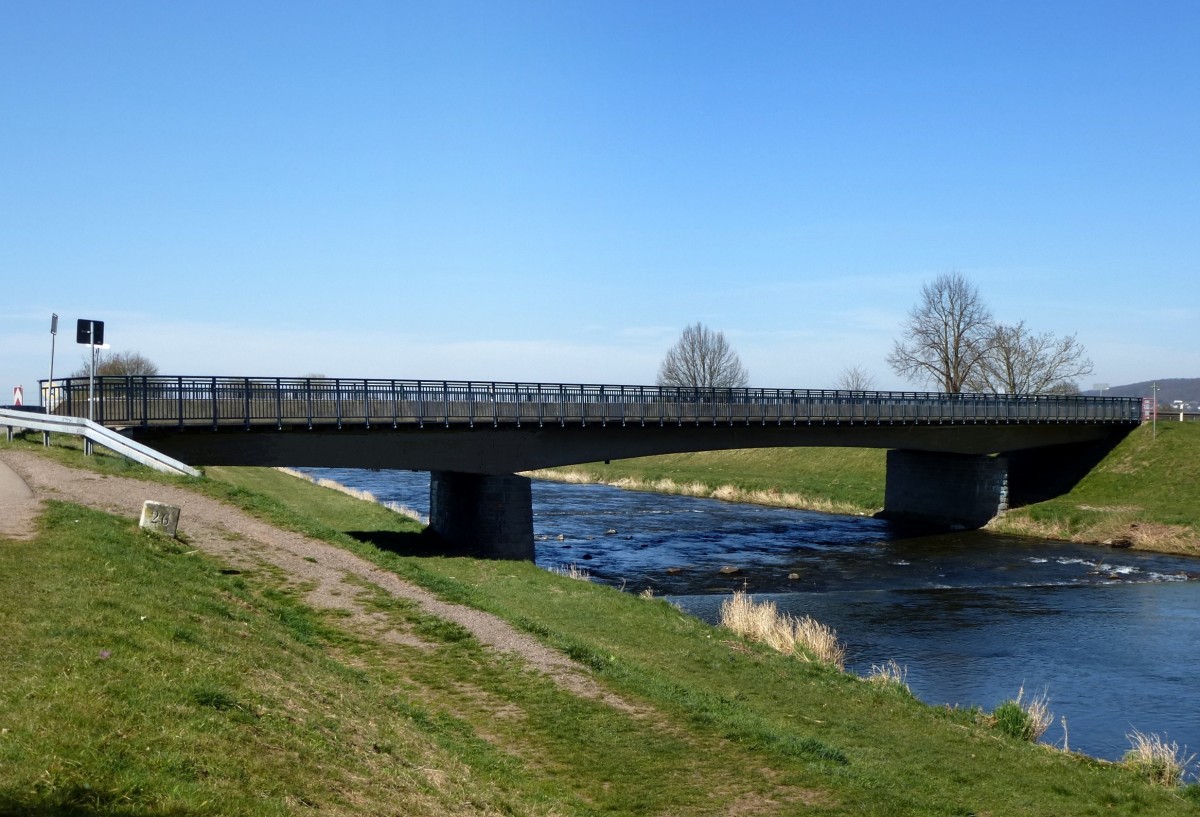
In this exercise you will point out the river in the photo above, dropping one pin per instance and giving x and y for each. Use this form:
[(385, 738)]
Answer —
[(973, 616)]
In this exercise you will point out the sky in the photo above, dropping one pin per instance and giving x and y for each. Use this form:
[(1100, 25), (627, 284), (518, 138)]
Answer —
[(552, 191)]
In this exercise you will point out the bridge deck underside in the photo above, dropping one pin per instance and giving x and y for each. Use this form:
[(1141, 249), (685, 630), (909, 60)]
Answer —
[(509, 449)]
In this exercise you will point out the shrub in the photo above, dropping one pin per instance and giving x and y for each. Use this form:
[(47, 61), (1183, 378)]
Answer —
[(1162, 762)]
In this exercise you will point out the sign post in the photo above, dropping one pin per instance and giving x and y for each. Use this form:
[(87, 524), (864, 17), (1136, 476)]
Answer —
[(91, 333)]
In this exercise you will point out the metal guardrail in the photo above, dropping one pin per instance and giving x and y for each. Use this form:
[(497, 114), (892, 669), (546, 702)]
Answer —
[(185, 401), (96, 433)]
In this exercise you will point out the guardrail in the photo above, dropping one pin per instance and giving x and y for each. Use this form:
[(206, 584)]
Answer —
[(97, 434), (145, 401)]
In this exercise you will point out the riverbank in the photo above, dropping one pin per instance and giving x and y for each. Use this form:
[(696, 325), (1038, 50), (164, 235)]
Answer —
[(221, 682), (830, 480), (1145, 494)]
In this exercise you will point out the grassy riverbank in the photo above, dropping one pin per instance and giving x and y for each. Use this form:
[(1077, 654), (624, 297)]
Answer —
[(145, 678), (832, 480), (1146, 493)]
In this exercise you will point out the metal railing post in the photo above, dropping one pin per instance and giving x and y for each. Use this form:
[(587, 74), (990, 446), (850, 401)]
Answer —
[(213, 386), (367, 402)]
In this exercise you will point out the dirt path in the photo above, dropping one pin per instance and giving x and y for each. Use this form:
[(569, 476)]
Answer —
[(18, 506), (238, 539)]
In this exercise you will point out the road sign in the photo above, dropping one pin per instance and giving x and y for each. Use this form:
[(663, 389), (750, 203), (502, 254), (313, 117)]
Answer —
[(89, 333), (18, 395)]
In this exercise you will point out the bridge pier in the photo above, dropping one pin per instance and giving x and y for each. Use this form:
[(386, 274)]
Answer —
[(489, 514), (945, 489)]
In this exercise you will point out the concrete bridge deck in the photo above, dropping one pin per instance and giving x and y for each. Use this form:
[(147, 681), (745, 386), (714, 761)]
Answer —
[(474, 436)]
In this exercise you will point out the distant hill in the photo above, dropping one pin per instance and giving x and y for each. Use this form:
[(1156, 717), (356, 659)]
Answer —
[(1170, 389)]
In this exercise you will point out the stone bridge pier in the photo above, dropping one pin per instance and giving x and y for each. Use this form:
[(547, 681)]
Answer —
[(968, 490), (490, 514)]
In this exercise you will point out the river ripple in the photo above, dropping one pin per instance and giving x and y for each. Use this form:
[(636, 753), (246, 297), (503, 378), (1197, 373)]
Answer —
[(973, 616)]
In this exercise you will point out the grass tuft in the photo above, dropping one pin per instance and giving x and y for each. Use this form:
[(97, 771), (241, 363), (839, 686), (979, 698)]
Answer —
[(1024, 719), (782, 632), (890, 675), (1163, 763), (573, 571)]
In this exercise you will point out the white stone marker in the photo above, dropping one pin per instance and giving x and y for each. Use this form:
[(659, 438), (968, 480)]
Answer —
[(157, 516)]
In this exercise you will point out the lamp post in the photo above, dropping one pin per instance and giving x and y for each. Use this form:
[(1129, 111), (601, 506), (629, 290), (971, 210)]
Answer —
[(50, 386)]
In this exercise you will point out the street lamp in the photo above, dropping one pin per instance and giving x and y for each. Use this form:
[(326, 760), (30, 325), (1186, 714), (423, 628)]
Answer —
[(50, 386)]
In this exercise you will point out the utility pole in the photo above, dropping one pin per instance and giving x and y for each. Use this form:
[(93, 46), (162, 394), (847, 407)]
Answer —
[(1154, 411)]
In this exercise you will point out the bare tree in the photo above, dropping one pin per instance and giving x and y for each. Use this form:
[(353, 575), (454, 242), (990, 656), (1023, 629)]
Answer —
[(118, 363), (855, 378), (946, 337), (702, 357), (1019, 361)]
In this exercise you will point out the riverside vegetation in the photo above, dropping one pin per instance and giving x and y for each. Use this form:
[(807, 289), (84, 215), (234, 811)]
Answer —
[(144, 677), (1145, 493)]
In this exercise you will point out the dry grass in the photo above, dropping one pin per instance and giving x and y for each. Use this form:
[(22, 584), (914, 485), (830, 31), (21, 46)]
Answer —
[(1164, 763), (762, 622), (889, 674), (573, 571), (1038, 710), (366, 496), (1115, 525), (727, 493)]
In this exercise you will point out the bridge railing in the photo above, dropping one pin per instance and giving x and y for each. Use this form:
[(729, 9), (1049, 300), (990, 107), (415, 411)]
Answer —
[(144, 400)]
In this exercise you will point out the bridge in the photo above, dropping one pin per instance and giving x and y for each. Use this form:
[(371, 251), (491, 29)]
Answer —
[(953, 458)]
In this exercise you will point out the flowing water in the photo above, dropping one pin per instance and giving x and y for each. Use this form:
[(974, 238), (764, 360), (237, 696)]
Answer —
[(973, 616)]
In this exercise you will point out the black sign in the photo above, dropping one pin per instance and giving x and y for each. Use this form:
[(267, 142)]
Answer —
[(90, 333)]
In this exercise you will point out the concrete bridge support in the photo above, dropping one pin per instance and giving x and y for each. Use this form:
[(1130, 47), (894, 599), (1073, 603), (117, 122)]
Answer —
[(945, 489), (487, 514)]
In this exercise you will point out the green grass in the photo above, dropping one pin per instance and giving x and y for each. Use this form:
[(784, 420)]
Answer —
[(1145, 492), (141, 679), (847, 479), (231, 697)]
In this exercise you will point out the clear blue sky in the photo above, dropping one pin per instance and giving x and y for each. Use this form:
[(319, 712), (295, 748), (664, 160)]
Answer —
[(552, 191)]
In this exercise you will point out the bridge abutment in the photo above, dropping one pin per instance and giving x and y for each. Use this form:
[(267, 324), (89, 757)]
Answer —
[(945, 489), (491, 514)]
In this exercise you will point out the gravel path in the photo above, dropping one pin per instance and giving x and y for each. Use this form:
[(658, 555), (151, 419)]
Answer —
[(242, 541)]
